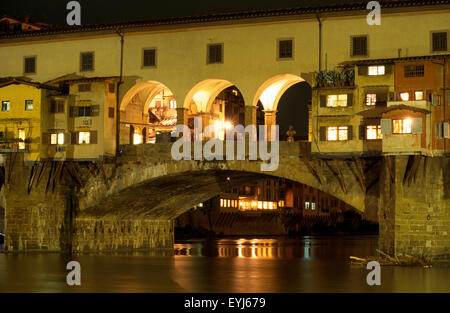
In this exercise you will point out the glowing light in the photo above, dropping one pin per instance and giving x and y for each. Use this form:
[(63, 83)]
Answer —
[(228, 125), (137, 139), (270, 94), (404, 96)]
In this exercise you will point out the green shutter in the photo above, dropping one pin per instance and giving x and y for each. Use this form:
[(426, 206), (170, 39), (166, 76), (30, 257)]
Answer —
[(73, 138), (386, 126), (95, 109), (323, 133), (93, 136), (350, 132), (45, 138), (362, 132), (323, 101), (417, 125), (349, 99), (362, 70)]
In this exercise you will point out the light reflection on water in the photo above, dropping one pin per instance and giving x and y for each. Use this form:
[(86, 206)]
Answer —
[(308, 264)]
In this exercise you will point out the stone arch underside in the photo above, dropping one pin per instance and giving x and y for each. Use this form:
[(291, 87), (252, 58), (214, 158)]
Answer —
[(165, 190)]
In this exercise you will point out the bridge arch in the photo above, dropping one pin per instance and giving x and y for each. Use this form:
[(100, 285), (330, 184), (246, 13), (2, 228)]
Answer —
[(270, 92), (147, 109)]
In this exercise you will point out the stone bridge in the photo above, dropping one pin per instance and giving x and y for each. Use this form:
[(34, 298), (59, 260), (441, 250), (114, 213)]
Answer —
[(130, 202)]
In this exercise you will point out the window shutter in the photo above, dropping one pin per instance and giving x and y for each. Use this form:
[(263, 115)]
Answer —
[(95, 109), (438, 130), (93, 138), (351, 46), (350, 132), (416, 125), (434, 99), (323, 133), (387, 69), (52, 106), (362, 132), (323, 101), (386, 126), (362, 70), (60, 106), (446, 130), (66, 138), (73, 111), (45, 138), (73, 138), (349, 99), (392, 96)]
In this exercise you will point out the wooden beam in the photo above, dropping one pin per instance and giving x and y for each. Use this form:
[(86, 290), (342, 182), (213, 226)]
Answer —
[(338, 175), (312, 170)]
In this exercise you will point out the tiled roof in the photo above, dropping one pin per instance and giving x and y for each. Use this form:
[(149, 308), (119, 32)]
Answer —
[(5, 81), (393, 60), (310, 8)]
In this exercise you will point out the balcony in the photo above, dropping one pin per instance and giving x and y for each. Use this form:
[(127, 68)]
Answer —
[(420, 104)]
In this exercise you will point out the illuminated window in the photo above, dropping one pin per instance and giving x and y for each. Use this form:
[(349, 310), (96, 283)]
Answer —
[(371, 99), (57, 138), (221, 203), (22, 138), (313, 206), (84, 137), (281, 203), (376, 70), (337, 100), (402, 126), (260, 205), (373, 132), (306, 205), (172, 104), (404, 96), (419, 95), (28, 105), (337, 133)]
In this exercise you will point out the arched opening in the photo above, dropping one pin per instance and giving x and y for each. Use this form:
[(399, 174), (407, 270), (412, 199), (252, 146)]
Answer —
[(294, 112), (269, 95), (219, 104), (147, 111)]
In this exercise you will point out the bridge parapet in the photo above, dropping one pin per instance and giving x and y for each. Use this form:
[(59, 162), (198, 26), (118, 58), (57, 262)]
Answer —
[(163, 150)]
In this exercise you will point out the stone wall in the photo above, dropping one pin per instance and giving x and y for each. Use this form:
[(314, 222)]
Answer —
[(35, 221), (92, 234), (414, 208)]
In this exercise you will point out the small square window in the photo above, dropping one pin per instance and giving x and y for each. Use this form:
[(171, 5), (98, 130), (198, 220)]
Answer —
[(285, 49), (149, 58), (28, 105), (30, 65), (5, 105), (215, 53), (111, 87), (86, 61), (359, 46), (439, 41)]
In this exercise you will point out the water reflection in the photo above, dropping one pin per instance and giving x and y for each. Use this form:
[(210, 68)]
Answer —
[(308, 264)]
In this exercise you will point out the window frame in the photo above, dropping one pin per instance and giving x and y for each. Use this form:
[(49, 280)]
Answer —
[(407, 68), (32, 104), (431, 40), (143, 57), (93, 61), (9, 105), (221, 44), (279, 40), (402, 127), (338, 129), (352, 45), (25, 64), (337, 100), (379, 135)]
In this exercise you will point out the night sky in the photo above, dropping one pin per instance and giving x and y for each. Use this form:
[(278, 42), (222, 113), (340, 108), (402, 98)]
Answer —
[(292, 107)]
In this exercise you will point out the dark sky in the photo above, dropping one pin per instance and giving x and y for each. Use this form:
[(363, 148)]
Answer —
[(107, 11)]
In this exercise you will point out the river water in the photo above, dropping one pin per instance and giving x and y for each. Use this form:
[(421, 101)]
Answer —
[(308, 264)]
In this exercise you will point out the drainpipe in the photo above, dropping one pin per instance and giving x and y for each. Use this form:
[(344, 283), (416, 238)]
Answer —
[(117, 94), (444, 98), (320, 42)]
